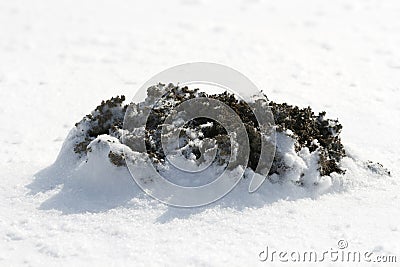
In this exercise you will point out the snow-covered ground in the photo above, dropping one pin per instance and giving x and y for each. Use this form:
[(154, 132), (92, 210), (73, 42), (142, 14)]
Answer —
[(58, 60)]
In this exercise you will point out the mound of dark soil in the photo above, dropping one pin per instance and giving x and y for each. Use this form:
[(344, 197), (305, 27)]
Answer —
[(310, 130)]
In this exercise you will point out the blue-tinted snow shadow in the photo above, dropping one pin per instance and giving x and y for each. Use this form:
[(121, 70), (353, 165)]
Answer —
[(74, 192), (80, 192), (240, 199), (101, 186), (359, 173)]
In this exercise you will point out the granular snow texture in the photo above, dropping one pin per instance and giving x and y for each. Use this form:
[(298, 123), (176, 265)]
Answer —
[(59, 59)]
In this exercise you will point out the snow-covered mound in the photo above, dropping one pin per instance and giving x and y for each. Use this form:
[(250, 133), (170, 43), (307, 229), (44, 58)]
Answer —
[(90, 172)]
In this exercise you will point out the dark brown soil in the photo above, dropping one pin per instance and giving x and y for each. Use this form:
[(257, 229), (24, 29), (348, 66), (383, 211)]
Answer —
[(305, 125), (107, 118)]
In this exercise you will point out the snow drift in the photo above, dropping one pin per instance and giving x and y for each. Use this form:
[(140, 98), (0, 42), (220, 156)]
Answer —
[(90, 173)]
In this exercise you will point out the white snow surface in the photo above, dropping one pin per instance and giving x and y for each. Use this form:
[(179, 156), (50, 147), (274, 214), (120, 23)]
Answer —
[(58, 60)]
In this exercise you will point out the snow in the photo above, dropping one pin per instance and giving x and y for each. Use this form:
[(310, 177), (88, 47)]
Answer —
[(60, 59)]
